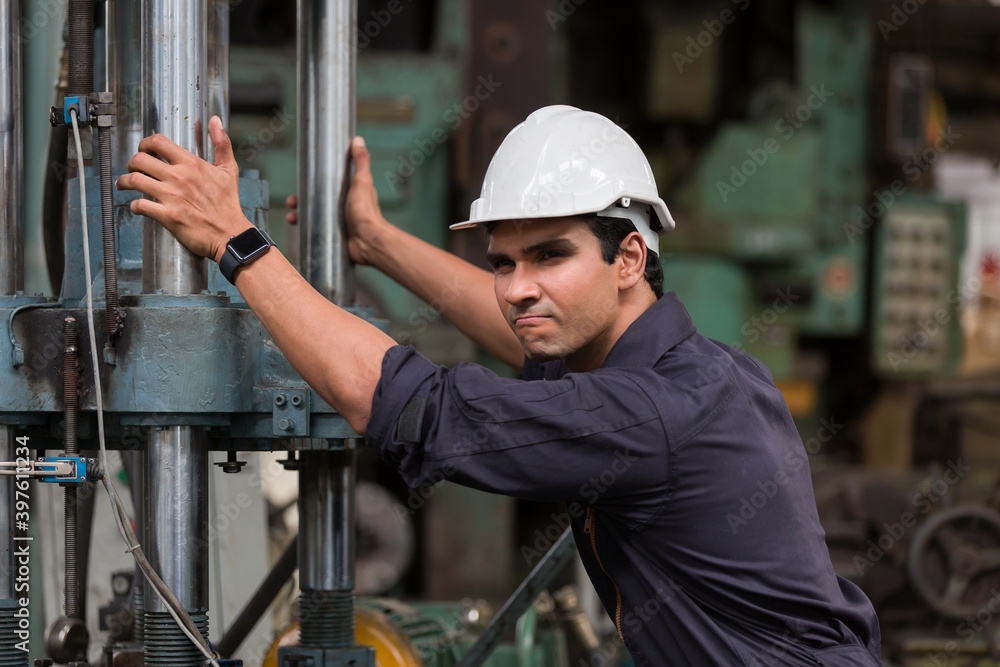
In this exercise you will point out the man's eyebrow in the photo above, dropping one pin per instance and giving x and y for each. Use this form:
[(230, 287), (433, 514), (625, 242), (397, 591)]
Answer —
[(551, 244), (493, 257), (565, 245)]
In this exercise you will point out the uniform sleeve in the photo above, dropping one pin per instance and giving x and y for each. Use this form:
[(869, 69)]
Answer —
[(590, 437)]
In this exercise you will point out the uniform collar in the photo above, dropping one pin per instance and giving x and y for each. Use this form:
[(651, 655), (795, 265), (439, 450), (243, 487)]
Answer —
[(661, 327)]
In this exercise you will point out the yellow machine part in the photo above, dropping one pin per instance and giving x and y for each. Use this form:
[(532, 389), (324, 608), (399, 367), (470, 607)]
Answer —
[(392, 647)]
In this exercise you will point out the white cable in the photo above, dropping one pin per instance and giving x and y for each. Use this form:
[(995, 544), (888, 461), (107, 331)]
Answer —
[(179, 614)]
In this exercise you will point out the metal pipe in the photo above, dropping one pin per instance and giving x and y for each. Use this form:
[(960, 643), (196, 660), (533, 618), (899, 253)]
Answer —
[(327, 90), (218, 66), (11, 280), (134, 463), (326, 519), (125, 33), (176, 485), (326, 106), (174, 101), (176, 540), (326, 548), (11, 154)]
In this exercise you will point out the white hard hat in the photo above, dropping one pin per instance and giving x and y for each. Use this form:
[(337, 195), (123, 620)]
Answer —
[(561, 162)]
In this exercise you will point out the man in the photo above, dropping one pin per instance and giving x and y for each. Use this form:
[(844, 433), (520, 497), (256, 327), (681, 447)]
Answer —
[(654, 435)]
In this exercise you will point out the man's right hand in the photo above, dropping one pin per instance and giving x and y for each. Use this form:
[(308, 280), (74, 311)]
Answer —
[(463, 292), (363, 215)]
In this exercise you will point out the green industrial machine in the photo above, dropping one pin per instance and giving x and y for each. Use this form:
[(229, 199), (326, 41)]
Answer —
[(769, 197)]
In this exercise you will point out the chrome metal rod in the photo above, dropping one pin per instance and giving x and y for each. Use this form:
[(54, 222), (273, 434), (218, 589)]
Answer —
[(174, 101), (326, 548), (176, 484), (125, 33), (11, 154), (326, 107), (218, 66), (326, 521)]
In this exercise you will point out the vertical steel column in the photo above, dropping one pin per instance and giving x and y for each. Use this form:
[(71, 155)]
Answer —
[(11, 280), (125, 34), (174, 103), (176, 485), (326, 108), (326, 549), (218, 66), (11, 154), (326, 102)]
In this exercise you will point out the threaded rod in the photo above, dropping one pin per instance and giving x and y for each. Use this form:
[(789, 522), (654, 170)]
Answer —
[(71, 406), (113, 318), (80, 16), (166, 644), (327, 619), (10, 655)]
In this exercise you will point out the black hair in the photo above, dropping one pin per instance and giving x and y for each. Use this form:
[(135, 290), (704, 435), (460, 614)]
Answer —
[(610, 233)]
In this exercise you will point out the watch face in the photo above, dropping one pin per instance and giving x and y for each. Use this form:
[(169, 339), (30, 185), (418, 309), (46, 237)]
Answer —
[(248, 243)]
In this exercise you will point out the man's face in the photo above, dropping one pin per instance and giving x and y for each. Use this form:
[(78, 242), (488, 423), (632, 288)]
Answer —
[(555, 290)]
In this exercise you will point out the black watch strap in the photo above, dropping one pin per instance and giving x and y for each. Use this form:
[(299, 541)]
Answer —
[(228, 265)]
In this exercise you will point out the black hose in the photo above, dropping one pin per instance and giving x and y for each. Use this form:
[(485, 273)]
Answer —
[(113, 315), (261, 600), (71, 407), (80, 16)]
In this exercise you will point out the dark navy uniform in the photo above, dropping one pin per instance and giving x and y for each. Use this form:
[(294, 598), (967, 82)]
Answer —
[(686, 482)]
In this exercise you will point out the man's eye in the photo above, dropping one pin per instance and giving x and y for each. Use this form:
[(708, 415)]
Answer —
[(501, 264), (551, 254)]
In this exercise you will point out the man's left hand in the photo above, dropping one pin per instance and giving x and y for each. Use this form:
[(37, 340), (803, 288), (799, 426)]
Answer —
[(199, 203)]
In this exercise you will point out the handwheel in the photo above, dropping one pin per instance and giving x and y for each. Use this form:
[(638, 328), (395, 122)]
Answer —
[(954, 560)]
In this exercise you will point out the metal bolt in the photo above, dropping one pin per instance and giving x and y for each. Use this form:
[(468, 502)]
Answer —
[(231, 465), (286, 424), (297, 400), (120, 584), (279, 400)]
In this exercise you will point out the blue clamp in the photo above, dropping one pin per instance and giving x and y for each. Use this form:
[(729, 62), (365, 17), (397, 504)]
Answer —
[(230, 663), (79, 465), (82, 105)]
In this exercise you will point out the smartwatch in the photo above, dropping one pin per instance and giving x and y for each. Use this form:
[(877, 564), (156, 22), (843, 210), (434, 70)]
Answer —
[(243, 249)]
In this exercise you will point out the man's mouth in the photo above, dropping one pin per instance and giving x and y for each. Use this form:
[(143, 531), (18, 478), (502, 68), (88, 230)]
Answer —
[(525, 320)]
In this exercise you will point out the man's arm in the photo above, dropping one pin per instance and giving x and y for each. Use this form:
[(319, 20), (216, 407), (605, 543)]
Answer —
[(460, 291), (337, 354)]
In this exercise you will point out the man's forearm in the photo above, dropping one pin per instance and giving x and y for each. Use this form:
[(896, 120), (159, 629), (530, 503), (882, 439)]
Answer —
[(462, 292), (336, 353)]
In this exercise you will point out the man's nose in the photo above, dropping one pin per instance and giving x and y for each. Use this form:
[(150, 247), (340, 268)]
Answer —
[(522, 287)]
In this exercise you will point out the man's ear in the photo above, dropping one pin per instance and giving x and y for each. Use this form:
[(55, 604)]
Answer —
[(633, 261)]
